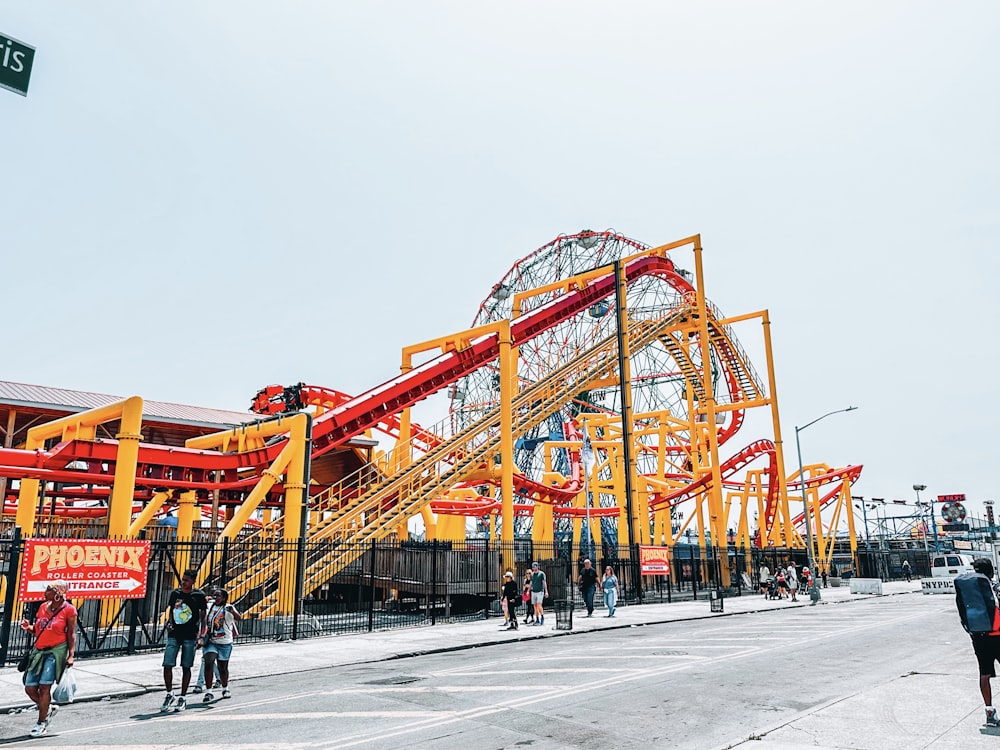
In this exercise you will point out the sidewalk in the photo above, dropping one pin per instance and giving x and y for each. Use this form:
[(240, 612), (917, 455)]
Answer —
[(133, 675)]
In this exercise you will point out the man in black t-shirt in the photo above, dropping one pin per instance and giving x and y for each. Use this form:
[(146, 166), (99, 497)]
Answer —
[(186, 628), (588, 586)]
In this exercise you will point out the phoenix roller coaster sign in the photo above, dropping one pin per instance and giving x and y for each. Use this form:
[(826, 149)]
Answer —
[(93, 568)]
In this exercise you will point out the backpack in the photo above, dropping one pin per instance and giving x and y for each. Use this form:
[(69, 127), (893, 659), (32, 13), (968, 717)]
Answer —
[(980, 614)]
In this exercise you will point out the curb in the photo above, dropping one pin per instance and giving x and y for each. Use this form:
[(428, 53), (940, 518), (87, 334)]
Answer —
[(485, 643)]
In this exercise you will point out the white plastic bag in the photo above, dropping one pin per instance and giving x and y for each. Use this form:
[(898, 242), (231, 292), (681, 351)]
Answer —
[(65, 689)]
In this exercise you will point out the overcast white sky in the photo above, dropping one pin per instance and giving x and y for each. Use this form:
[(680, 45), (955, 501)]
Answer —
[(204, 198)]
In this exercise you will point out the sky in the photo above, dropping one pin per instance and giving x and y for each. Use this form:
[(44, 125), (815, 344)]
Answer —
[(205, 198)]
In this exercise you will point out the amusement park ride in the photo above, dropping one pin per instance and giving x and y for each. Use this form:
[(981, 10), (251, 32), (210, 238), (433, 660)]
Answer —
[(593, 335)]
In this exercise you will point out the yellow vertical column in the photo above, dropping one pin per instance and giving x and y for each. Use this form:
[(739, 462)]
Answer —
[(717, 521), (779, 456), (849, 505), (296, 499), (123, 492), (508, 371), (632, 530), (185, 524)]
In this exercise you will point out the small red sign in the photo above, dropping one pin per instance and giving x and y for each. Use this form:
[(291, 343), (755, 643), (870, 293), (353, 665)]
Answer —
[(654, 561), (93, 568), (951, 498)]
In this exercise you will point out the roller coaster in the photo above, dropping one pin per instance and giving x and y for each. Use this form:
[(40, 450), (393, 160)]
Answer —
[(596, 398)]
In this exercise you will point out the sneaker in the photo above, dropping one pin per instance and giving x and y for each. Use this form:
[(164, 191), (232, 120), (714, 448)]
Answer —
[(197, 688), (181, 704), (992, 720), (38, 730), (543, 620), (226, 693), (53, 710), (209, 697), (167, 702)]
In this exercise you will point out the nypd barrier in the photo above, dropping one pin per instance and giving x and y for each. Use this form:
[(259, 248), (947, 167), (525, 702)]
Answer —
[(938, 585)]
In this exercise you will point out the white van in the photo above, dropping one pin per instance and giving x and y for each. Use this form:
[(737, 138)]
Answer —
[(951, 564)]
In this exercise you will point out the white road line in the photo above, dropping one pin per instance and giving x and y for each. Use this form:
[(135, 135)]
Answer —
[(440, 718)]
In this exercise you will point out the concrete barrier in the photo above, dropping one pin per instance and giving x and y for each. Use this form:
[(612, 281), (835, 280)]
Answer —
[(866, 586), (937, 585)]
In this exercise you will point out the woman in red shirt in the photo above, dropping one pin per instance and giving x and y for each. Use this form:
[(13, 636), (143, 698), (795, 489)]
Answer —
[(54, 632)]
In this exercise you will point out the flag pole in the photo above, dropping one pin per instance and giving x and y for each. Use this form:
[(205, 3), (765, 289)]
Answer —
[(586, 483)]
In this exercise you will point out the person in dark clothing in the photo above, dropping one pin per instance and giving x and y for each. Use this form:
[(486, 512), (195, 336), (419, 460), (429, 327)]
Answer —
[(906, 569), (512, 593), (186, 629), (978, 611), (588, 586)]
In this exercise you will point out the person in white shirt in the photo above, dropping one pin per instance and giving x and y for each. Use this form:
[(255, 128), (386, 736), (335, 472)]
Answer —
[(764, 574), (793, 580), (222, 618)]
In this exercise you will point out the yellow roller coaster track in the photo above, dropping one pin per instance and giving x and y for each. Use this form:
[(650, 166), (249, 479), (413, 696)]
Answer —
[(377, 511)]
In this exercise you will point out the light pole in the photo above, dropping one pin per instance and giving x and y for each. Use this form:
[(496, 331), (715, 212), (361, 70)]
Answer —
[(878, 505), (588, 459), (802, 482), (864, 515), (918, 488)]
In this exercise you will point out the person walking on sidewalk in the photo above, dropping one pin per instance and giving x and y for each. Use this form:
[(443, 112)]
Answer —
[(539, 590), (906, 570), (762, 575), (588, 586), (222, 619), (529, 613), (980, 617), (199, 685), (54, 631), (611, 590), (512, 596), (185, 632), (793, 580)]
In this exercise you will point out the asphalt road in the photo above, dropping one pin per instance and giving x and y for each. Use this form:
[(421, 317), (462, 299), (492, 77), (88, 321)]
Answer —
[(699, 684)]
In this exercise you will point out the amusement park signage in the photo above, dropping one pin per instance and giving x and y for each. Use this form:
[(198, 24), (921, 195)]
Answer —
[(654, 561), (16, 59), (960, 498), (93, 568)]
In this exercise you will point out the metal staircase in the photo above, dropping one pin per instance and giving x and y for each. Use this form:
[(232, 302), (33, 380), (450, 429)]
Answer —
[(351, 512)]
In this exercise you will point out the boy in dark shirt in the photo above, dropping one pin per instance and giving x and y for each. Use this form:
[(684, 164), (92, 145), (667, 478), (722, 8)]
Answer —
[(185, 630)]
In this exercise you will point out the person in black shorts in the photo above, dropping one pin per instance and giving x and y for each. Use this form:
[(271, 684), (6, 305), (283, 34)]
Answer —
[(977, 609), (185, 632)]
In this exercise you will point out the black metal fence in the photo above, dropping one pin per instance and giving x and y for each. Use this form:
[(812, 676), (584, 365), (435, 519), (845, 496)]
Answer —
[(343, 587)]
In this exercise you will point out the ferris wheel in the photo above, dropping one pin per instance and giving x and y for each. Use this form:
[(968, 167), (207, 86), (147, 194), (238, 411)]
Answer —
[(657, 383)]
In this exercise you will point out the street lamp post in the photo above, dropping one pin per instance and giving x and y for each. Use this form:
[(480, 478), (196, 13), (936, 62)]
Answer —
[(802, 482), (864, 517), (918, 488)]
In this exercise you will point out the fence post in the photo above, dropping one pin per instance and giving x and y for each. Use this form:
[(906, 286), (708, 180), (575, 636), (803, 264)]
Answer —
[(8, 605), (300, 567), (224, 563), (434, 573), (486, 580), (371, 592)]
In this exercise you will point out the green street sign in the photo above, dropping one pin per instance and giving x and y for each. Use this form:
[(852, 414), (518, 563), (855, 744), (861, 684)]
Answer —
[(16, 59)]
